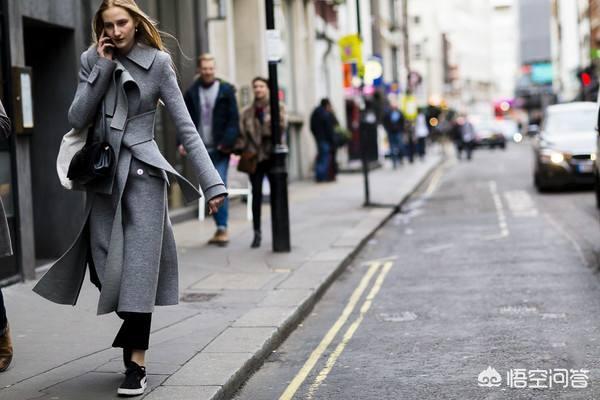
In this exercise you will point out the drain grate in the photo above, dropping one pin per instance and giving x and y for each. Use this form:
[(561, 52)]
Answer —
[(197, 297)]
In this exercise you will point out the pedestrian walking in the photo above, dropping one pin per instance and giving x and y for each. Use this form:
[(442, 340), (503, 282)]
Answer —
[(322, 125), (422, 132), (393, 123), (212, 104), (6, 349), (464, 136), (255, 146), (126, 239)]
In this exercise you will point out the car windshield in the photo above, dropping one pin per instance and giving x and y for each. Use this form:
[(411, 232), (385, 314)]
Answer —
[(561, 122)]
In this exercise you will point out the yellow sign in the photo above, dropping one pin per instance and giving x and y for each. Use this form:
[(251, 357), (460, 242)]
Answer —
[(408, 105), (351, 50)]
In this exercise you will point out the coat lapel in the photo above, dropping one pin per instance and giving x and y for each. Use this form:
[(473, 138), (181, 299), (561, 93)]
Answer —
[(143, 55)]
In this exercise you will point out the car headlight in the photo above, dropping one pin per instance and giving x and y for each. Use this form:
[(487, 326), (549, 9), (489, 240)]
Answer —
[(593, 156), (557, 158), (551, 156)]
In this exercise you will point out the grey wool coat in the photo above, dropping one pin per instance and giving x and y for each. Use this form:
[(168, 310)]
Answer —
[(127, 235), (5, 244)]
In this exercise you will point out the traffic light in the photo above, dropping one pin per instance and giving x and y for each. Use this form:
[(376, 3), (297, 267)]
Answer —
[(586, 78)]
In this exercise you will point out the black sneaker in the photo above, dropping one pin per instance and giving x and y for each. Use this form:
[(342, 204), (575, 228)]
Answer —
[(134, 383)]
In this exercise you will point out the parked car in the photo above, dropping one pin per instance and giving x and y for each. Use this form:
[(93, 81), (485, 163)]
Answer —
[(510, 130), (566, 146), (489, 134)]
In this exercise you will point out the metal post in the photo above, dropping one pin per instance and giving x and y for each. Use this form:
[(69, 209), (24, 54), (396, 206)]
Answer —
[(280, 219), (409, 90), (362, 127)]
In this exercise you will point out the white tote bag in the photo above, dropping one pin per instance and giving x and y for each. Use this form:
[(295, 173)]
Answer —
[(72, 142)]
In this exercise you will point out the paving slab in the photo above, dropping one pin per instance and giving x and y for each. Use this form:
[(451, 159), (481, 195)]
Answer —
[(241, 340), (282, 297), (209, 369), (265, 316), (311, 275), (184, 393)]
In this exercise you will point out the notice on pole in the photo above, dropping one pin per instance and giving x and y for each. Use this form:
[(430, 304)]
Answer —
[(26, 101), (273, 45)]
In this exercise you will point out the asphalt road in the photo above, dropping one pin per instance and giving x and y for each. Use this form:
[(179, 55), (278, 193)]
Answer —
[(477, 271)]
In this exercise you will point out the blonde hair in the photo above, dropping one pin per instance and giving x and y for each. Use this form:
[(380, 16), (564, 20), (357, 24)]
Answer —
[(146, 30), (205, 57)]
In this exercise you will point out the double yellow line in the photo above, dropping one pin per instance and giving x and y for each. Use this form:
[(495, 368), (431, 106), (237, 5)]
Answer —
[(337, 326)]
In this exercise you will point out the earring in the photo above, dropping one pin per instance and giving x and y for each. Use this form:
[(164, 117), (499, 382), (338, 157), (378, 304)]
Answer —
[(136, 29)]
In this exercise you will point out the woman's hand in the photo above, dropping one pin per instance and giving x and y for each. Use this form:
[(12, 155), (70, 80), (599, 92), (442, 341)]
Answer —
[(105, 47), (215, 203)]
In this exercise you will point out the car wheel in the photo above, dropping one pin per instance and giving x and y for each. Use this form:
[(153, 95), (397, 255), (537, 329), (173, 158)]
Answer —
[(503, 146), (537, 182)]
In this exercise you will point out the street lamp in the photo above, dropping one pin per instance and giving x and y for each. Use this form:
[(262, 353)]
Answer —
[(280, 219)]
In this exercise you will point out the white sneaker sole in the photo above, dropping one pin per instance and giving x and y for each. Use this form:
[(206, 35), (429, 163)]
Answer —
[(133, 392)]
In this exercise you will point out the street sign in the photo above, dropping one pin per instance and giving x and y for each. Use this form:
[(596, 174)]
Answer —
[(351, 51), (408, 105), (273, 45)]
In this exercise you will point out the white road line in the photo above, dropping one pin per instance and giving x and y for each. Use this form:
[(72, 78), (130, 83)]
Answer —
[(569, 237), (293, 387), (349, 332), (435, 249), (520, 203), (504, 231)]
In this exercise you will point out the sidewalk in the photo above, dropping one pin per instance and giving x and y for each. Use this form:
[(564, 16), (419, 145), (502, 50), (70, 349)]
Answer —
[(237, 303)]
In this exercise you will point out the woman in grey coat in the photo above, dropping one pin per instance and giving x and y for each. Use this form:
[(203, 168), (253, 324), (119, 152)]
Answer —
[(6, 349), (127, 239)]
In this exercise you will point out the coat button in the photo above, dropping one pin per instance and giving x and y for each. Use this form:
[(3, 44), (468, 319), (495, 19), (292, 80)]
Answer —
[(140, 171)]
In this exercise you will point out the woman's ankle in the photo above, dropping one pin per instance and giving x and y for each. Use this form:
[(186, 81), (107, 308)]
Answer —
[(138, 357)]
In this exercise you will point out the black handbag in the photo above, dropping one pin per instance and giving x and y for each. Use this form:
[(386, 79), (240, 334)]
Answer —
[(95, 161)]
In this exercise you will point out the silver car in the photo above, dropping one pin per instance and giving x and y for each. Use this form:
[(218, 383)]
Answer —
[(565, 150)]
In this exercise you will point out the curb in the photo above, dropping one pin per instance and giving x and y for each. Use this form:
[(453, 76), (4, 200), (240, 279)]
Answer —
[(236, 381)]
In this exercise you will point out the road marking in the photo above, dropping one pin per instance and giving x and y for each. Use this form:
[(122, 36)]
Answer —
[(349, 332), (435, 249), (569, 237), (293, 387), (380, 260), (520, 203), (435, 180), (504, 232)]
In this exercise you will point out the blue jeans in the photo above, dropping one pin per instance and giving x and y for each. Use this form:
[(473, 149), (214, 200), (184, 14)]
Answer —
[(396, 147), (221, 163), (323, 161)]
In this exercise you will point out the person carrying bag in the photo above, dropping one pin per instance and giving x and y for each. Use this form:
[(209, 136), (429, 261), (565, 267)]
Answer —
[(126, 239), (255, 147)]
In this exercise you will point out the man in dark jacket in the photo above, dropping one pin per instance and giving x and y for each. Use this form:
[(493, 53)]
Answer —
[(393, 123), (322, 125), (213, 108), (6, 350)]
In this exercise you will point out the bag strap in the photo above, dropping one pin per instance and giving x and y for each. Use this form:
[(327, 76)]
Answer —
[(92, 128)]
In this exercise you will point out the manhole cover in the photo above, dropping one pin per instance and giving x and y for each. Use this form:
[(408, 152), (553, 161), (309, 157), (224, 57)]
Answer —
[(197, 297)]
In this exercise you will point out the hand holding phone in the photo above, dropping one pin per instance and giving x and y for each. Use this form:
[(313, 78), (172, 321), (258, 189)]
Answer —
[(105, 46)]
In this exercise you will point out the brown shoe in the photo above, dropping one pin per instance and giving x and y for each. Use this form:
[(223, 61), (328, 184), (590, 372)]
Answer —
[(220, 238), (6, 350)]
